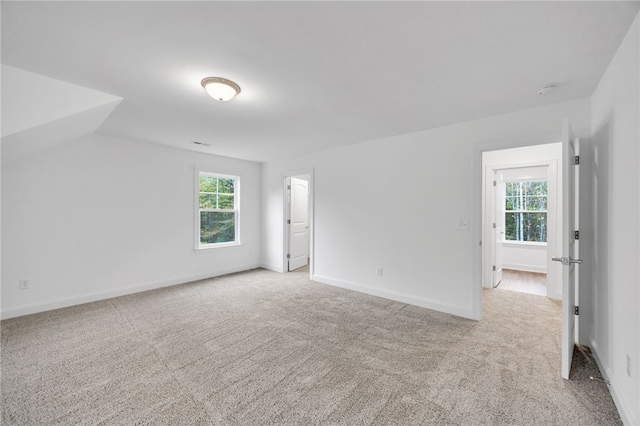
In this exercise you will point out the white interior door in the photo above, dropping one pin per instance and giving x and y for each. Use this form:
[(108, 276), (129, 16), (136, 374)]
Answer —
[(570, 179), (576, 242), (498, 228), (299, 226)]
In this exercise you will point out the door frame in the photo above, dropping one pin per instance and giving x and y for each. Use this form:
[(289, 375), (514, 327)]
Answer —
[(498, 192), (285, 214), (553, 242), (477, 188)]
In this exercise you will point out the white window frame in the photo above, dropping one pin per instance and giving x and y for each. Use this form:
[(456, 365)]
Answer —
[(546, 212), (236, 210)]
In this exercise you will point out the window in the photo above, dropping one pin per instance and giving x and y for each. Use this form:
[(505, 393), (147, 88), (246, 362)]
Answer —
[(526, 211), (217, 210)]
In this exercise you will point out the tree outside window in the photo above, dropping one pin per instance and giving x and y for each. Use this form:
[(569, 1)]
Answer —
[(217, 207), (526, 211)]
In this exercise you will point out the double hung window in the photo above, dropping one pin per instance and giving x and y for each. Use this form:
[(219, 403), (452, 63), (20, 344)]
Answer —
[(217, 209), (526, 211)]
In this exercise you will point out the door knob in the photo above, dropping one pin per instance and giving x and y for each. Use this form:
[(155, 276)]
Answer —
[(566, 260)]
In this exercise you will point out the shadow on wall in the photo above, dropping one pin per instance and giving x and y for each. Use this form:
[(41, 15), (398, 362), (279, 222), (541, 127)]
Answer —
[(600, 271)]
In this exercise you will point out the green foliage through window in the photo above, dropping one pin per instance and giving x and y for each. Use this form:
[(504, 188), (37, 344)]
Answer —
[(526, 211), (217, 227), (217, 208)]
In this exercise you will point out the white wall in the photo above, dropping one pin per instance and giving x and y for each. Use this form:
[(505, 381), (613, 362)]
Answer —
[(395, 203), (99, 217), (524, 257), (615, 183)]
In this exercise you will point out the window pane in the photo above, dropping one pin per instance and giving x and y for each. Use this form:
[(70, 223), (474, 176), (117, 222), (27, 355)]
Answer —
[(538, 188), (208, 201), (528, 188), (536, 203), (225, 186), (512, 188), (217, 227), (526, 227), (511, 203), (208, 184), (526, 195), (225, 201)]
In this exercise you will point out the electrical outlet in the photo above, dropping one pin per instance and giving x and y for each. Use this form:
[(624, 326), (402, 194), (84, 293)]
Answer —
[(628, 365), (24, 284), (380, 272)]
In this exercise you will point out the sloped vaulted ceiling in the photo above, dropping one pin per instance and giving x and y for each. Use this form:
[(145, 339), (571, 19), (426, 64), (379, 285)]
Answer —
[(39, 112)]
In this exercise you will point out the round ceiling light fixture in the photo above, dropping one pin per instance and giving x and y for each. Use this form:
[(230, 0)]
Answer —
[(546, 90), (220, 88)]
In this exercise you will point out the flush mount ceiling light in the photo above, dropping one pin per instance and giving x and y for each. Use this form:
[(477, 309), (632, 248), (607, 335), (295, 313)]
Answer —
[(546, 90), (220, 88)]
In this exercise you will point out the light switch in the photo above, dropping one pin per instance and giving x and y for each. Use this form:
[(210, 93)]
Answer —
[(463, 225)]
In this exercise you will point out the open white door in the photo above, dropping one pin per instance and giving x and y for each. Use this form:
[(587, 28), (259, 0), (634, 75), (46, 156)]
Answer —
[(570, 179), (299, 226), (498, 228)]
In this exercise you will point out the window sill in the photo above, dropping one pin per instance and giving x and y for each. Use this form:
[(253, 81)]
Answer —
[(523, 243), (216, 246)]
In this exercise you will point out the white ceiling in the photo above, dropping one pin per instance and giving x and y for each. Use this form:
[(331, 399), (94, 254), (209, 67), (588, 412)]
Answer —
[(314, 75)]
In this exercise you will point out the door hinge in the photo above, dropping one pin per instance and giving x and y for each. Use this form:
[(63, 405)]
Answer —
[(288, 256), (494, 268), (577, 160), (289, 187), (288, 221), (495, 183), (577, 310), (494, 226), (577, 235)]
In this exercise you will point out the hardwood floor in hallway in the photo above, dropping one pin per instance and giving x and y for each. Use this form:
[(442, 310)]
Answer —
[(523, 282)]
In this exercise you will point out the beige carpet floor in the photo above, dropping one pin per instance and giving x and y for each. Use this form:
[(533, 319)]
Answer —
[(260, 348)]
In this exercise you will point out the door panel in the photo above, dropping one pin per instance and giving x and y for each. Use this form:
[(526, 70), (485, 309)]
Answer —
[(569, 260), (299, 228)]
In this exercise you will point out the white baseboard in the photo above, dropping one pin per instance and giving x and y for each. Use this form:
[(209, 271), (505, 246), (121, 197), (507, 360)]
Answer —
[(399, 297), (527, 268), (623, 408), (64, 302), (555, 296), (272, 267)]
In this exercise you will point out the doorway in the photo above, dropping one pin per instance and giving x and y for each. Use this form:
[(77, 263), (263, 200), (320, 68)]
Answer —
[(566, 247), (522, 217), (521, 210), (298, 223)]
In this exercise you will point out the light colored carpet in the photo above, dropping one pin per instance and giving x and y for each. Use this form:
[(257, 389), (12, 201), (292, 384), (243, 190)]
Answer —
[(265, 348)]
